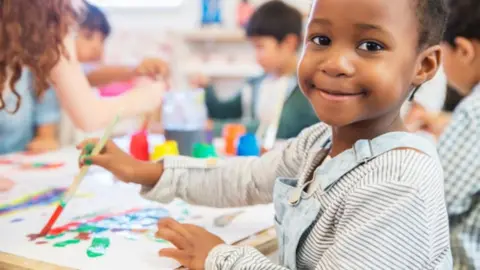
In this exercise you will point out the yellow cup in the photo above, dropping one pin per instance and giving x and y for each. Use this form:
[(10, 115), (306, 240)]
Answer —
[(169, 148)]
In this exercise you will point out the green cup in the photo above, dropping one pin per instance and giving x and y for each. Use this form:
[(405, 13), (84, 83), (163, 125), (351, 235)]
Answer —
[(201, 150)]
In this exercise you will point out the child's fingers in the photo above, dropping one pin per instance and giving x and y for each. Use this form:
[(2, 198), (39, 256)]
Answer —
[(84, 143), (104, 161), (170, 223), (173, 237)]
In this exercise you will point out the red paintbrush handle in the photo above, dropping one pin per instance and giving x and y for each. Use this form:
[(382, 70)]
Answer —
[(52, 220)]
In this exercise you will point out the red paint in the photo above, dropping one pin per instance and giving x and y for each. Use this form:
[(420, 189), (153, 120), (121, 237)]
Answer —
[(83, 236), (33, 236), (139, 146), (58, 230), (41, 242), (52, 220), (6, 162)]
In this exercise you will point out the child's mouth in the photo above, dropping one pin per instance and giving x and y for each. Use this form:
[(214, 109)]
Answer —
[(334, 95)]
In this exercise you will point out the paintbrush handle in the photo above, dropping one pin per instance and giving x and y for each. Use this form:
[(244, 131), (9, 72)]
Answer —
[(83, 171)]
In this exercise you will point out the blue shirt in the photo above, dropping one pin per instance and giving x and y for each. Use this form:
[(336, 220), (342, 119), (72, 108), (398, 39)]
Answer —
[(17, 130)]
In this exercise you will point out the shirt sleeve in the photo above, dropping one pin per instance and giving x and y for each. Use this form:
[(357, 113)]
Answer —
[(460, 156), (239, 258), (232, 182), (47, 110)]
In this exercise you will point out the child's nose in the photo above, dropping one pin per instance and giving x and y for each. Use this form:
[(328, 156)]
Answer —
[(337, 64)]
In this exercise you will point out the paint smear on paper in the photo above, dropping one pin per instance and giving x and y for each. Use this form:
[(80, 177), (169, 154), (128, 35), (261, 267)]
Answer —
[(16, 220), (98, 247), (43, 198), (67, 243)]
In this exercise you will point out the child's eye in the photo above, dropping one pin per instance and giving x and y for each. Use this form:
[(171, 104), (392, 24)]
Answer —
[(370, 46), (321, 40)]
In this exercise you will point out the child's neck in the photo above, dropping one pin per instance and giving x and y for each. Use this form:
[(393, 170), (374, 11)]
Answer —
[(344, 138), (289, 69)]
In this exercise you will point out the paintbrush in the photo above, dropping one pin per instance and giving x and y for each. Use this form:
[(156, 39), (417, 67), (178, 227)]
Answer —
[(78, 179)]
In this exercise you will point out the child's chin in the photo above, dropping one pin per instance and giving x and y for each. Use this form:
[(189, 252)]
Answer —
[(334, 119)]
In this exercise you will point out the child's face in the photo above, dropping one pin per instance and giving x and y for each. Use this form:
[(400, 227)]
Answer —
[(461, 64), (90, 45), (361, 60), (270, 54)]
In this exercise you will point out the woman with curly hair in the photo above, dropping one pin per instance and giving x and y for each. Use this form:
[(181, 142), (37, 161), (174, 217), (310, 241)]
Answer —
[(37, 35)]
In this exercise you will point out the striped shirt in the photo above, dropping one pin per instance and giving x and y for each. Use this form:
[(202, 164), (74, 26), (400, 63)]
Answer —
[(459, 150), (388, 213)]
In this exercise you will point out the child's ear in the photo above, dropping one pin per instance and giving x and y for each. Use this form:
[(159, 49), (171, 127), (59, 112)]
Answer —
[(464, 50), (291, 42), (428, 65)]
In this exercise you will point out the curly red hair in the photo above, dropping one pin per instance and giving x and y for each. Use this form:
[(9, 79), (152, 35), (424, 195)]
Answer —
[(31, 35)]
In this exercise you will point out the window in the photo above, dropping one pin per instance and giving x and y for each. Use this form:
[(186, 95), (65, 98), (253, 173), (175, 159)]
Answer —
[(137, 3)]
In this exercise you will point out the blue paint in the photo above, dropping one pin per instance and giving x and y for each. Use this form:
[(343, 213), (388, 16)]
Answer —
[(16, 220)]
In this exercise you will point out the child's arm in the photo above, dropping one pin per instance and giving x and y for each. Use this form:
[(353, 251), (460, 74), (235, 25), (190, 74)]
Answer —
[(217, 183), (90, 112), (47, 117), (460, 156), (107, 74)]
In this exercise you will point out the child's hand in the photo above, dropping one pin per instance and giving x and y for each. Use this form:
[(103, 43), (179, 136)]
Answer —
[(5, 184), (152, 67), (111, 158), (209, 125), (193, 243), (42, 144), (436, 124)]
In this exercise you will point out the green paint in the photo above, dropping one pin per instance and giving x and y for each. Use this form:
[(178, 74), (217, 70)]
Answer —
[(66, 243), (54, 236), (88, 161), (62, 203), (89, 148), (37, 165), (161, 240), (98, 247), (86, 228), (186, 212)]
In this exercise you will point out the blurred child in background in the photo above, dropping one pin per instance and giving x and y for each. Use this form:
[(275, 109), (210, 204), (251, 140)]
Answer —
[(459, 146), (33, 127), (275, 30), (90, 44)]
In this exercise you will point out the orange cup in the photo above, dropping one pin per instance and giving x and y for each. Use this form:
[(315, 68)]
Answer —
[(231, 133)]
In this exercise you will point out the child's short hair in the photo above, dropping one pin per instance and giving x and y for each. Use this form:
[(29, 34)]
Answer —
[(432, 17), (463, 21), (275, 19), (95, 20)]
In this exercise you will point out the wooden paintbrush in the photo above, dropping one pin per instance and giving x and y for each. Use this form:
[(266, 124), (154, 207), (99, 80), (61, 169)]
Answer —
[(78, 179)]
